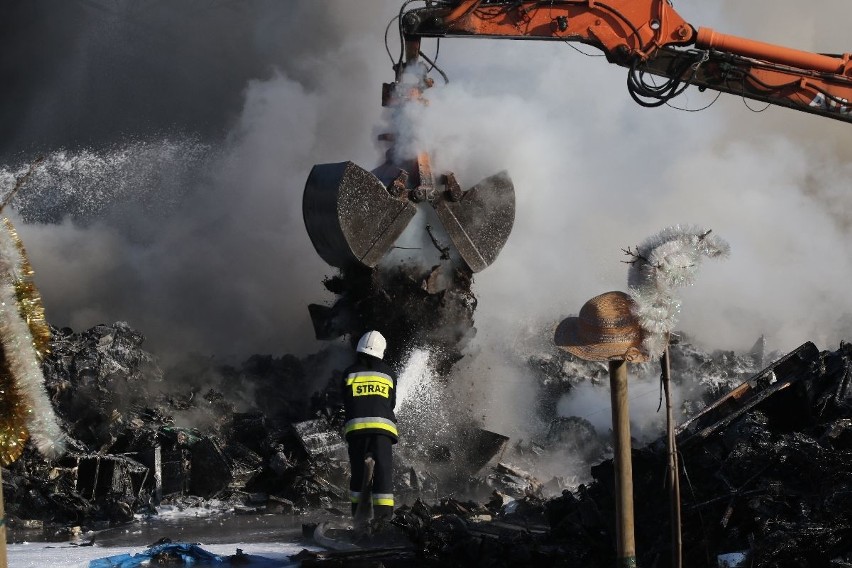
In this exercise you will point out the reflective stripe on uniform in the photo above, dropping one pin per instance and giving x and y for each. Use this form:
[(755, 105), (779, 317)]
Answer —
[(383, 499), (371, 422), (355, 496), (369, 376), (369, 383)]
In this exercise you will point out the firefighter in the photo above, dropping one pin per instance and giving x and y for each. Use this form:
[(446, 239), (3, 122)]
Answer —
[(369, 397)]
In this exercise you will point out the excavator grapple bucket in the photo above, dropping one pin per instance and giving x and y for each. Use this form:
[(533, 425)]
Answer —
[(480, 221), (350, 216)]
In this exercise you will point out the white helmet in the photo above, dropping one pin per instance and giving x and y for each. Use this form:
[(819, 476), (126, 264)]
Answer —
[(372, 343)]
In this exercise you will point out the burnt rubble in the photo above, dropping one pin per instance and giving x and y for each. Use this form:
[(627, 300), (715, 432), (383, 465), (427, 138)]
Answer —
[(252, 438), (139, 436), (765, 444), (417, 306), (767, 477), (259, 436)]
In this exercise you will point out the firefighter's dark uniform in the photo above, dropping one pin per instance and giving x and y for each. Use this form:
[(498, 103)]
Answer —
[(369, 397)]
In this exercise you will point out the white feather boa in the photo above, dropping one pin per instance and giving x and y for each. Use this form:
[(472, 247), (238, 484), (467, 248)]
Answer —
[(22, 358), (665, 261)]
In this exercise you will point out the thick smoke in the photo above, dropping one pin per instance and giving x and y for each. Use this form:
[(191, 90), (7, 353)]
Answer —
[(177, 141), (595, 173)]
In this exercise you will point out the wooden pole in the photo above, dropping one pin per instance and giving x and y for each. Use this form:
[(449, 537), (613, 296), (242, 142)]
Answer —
[(674, 477), (3, 561), (623, 465)]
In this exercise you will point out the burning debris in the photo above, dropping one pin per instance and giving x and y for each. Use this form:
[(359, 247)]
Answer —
[(765, 463), (767, 483), (431, 307), (138, 436)]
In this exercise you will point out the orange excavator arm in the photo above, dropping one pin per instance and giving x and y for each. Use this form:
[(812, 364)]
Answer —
[(355, 216), (649, 37)]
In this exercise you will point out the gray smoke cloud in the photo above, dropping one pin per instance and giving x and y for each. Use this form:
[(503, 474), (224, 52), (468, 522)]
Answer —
[(246, 97), (595, 173), (178, 138)]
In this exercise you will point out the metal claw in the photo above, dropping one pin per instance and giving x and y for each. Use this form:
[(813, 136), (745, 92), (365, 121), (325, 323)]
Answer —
[(350, 216), (479, 223)]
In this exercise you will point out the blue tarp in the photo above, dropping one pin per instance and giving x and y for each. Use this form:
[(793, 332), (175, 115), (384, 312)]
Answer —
[(191, 554)]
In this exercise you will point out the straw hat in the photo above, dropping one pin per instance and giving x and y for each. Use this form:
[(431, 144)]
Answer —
[(605, 330)]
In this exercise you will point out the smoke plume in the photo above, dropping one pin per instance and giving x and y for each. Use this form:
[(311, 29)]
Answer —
[(177, 140)]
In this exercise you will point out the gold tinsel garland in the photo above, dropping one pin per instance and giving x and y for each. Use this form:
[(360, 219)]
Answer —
[(29, 299), (13, 415), (25, 339)]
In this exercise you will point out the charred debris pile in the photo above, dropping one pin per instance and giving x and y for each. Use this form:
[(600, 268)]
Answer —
[(766, 482), (263, 435), (767, 465), (199, 433)]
